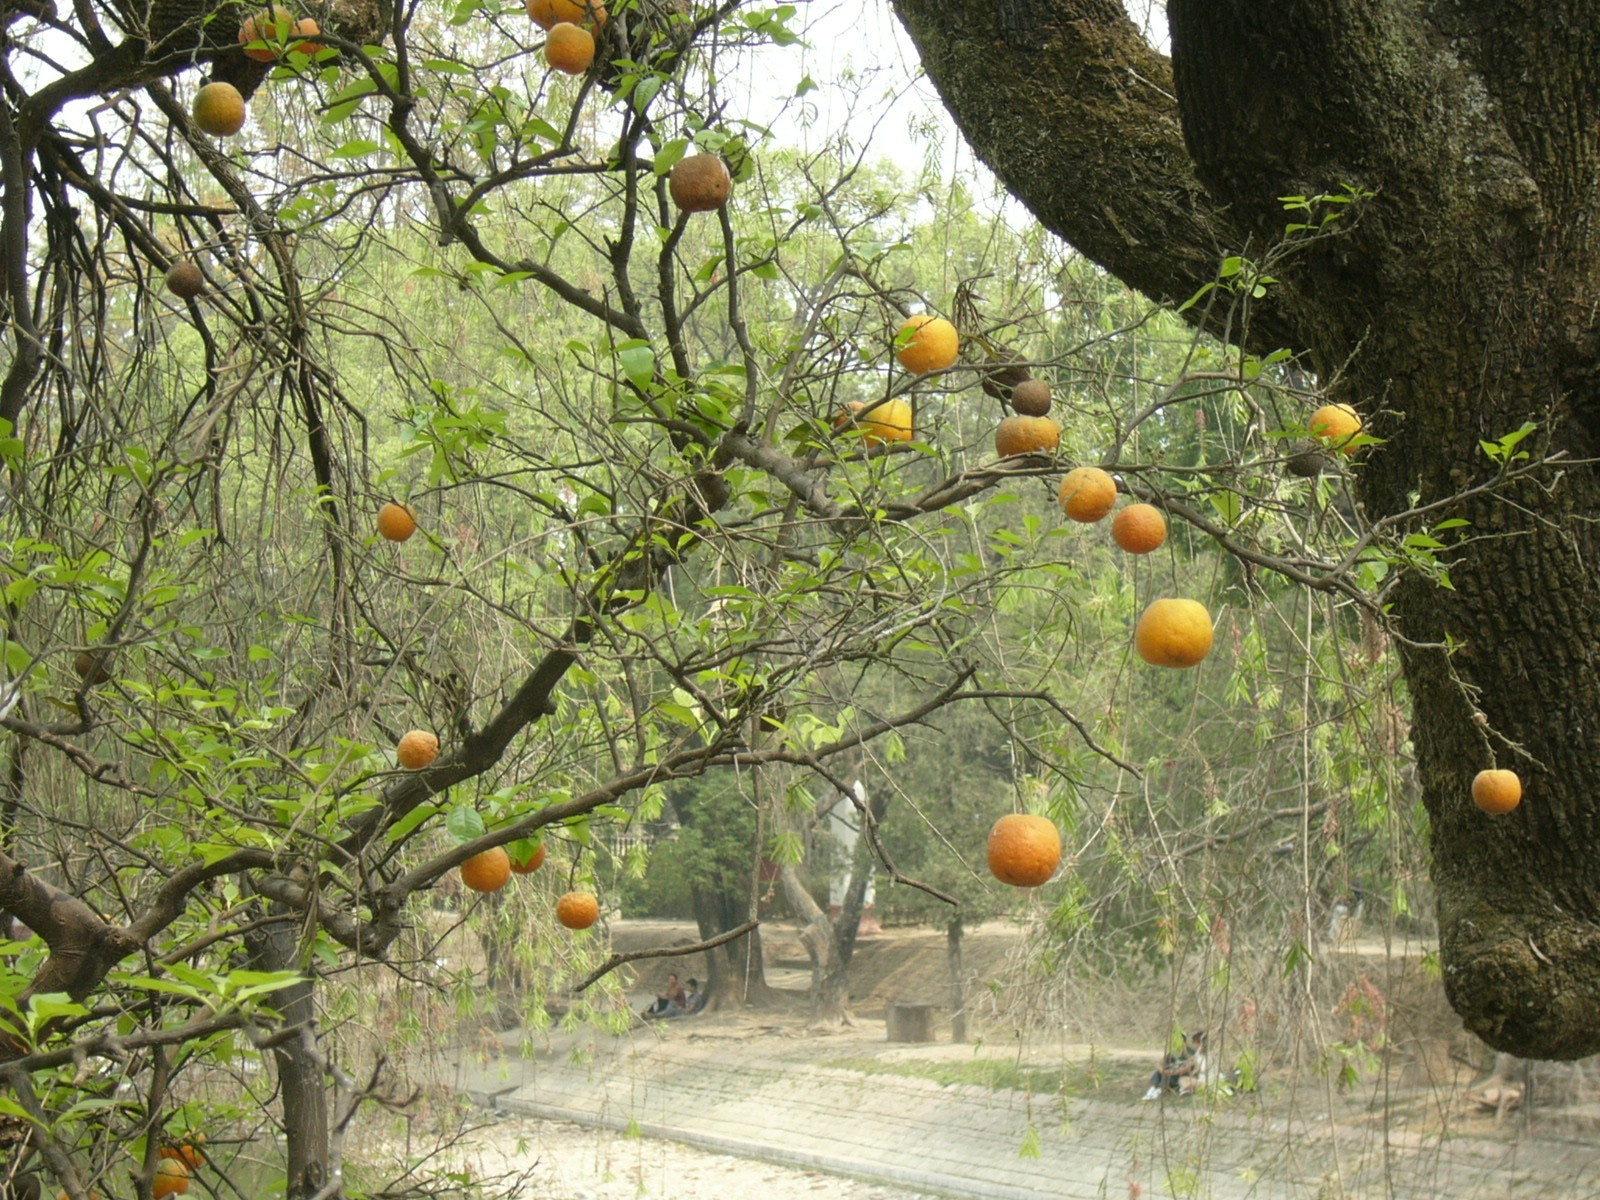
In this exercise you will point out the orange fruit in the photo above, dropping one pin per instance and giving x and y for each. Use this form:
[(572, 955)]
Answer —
[(1087, 494), (1024, 850), (569, 48), (1496, 791), (189, 1155), (417, 749), (396, 521), (700, 183), (926, 343), (219, 109), (529, 865), (185, 280), (1027, 435), (271, 27), (887, 421), (305, 29), (487, 872), (1174, 633), (1337, 424), (172, 1178), (1031, 397), (546, 13), (1139, 528), (578, 910)]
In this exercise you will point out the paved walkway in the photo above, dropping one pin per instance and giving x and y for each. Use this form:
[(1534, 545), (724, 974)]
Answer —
[(966, 1141)]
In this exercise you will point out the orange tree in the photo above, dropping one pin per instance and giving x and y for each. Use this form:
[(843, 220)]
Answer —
[(415, 414)]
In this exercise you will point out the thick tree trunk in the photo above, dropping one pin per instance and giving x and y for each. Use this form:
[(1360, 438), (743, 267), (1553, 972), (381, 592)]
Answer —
[(736, 972), (300, 1080), (1457, 303)]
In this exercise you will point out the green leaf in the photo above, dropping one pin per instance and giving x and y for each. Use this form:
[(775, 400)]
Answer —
[(465, 823), (638, 362)]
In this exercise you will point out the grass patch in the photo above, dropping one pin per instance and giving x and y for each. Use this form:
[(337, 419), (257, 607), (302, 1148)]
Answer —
[(996, 1074)]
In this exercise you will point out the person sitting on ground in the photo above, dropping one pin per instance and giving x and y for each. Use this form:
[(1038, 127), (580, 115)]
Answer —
[(674, 998), (1181, 1072), (693, 999)]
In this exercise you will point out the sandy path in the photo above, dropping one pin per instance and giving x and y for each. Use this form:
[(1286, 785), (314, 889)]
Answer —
[(568, 1162)]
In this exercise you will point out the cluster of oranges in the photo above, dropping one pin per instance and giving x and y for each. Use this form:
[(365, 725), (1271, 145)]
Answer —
[(491, 869), (267, 36), (176, 1167), (570, 27)]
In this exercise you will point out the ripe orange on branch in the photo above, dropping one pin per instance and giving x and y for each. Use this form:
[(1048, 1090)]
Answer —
[(1026, 435), (1087, 494), (1174, 633), (886, 421), (1139, 528), (172, 1178), (1337, 424), (569, 48), (1496, 791), (396, 521), (487, 872), (549, 13), (927, 343), (700, 183), (530, 864), (219, 109), (417, 749), (1024, 850), (578, 910)]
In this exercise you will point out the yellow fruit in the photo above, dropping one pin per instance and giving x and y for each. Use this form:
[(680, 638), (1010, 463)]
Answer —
[(927, 343), (529, 865), (1174, 633), (887, 421), (1496, 791), (219, 109), (417, 749), (1139, 528), (569, 48), (1026, 435), (396, 521), (1087, 494), (1024, 850), (172, 1178), (543, 13), (700, 183), (487, 872), (578, 910), (1336, 424)]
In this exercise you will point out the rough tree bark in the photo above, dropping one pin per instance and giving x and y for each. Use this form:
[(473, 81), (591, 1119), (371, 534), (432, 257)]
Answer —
[(1459, 302)]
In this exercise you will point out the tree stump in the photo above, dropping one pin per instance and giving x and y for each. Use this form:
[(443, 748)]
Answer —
[(909, 1022)]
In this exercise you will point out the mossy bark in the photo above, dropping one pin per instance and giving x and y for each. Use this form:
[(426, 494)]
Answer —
[(1459, 302)]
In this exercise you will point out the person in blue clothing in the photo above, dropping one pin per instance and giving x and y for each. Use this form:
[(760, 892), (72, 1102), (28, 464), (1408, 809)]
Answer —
[(1181, 1072)]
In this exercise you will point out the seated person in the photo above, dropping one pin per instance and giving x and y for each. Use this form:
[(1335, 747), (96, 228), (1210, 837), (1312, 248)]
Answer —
[(1181, 1072), (673, 999), (693, 1001)]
